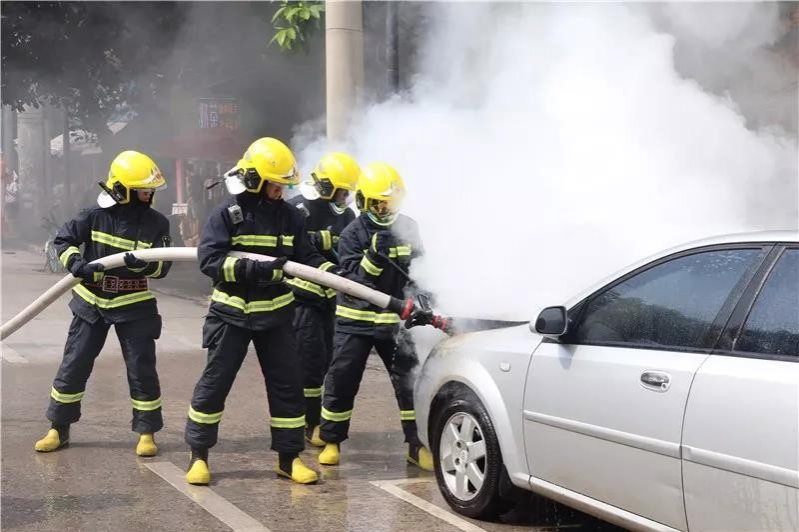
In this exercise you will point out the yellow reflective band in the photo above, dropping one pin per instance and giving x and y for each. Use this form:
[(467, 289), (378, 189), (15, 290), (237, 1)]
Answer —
[(229, 269), (71, 250), (330, 293), (400, 251), (287, 422), (205, 419), (97, 276), (312, 392), (378, 318), (336, 416), (370, 268), (146, 406), (118, 242), (287, 240), (307, 285), (66, 398), (157, 271), (266, 305), (120, 301), (327, 242), (255, 240), (277, 275), (326, 266), (407, 415)]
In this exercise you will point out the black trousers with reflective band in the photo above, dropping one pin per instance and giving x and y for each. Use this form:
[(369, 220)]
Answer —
[(350, 352), (84, 342), (281, 367), (313, 325)]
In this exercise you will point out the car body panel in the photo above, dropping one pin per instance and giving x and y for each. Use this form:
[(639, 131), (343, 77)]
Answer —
[(620, 442), (741, 445), (493, 364)]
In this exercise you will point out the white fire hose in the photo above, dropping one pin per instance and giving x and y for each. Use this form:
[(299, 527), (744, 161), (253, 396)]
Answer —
[(190, 255)]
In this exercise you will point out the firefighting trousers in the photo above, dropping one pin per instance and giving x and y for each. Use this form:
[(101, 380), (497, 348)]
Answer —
[(313, 325), (84, 342), (350, 352), (281, 367)]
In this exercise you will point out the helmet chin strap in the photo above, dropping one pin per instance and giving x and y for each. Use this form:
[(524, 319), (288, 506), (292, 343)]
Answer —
[(336, 208), (386, 223)]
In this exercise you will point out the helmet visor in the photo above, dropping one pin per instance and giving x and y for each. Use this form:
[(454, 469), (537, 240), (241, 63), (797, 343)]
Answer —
[(383, 211)]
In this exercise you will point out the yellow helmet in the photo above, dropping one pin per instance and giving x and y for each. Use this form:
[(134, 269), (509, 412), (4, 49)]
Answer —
[(266, 159), (130, 170), (380, 193), (335, 171)]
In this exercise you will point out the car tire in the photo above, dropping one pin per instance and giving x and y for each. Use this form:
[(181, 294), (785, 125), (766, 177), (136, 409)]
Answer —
[(466, 455)]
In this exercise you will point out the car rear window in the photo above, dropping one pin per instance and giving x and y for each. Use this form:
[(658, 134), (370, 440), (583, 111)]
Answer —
[(772, 327)]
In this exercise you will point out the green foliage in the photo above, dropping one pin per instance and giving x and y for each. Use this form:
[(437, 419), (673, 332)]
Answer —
[(294, 22)]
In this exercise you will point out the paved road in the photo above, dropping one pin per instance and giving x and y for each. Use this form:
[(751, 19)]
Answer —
[(98, 483)]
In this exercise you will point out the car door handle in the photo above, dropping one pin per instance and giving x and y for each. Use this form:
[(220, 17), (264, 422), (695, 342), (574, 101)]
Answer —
[(656, 381)]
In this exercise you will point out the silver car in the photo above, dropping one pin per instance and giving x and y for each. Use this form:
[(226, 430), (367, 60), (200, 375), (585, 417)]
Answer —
[(664, 398)]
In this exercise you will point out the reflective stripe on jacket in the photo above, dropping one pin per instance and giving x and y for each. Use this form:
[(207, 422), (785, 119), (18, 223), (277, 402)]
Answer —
[(269, 228), (359, 317), (319, 216), (102, 232)]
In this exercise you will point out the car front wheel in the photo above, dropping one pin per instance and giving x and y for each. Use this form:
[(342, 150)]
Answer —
[(467, 458)]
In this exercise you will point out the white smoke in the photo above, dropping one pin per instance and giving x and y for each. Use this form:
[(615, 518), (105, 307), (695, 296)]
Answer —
[(544, 146)]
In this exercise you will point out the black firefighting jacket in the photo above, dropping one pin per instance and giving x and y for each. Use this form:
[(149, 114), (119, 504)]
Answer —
[(104, 232), (358, 257), (320, 217), (250, 222)]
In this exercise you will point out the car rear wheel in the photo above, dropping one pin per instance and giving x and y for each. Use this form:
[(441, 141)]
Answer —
[(467, 459)]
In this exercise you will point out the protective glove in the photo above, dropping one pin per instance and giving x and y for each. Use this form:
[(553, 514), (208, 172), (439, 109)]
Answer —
[(263, 273), (321, 240), (382, 242), (134, 263), (85, 270)]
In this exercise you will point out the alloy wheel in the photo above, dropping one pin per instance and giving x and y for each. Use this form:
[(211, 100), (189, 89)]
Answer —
[(462, 456)]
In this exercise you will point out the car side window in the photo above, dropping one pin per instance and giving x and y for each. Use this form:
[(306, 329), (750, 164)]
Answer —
[(672, 304), (772, 327)]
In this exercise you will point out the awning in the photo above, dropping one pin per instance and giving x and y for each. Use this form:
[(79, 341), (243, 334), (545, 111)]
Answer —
[(81, 145)]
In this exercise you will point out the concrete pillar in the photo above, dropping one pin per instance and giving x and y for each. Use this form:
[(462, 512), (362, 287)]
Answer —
[(9, 136), (343, 63), (31, 146)]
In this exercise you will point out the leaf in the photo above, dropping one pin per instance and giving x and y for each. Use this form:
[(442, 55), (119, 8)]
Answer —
[(279, 13), (305, 13)]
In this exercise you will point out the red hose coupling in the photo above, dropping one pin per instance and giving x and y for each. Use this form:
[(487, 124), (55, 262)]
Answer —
[(407, 309), (440, 322)]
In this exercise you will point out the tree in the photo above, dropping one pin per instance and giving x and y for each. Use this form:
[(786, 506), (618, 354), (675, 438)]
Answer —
[(91, 59), (294, 22)]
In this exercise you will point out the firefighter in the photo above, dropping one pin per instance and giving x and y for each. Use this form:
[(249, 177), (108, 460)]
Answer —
[(251, 302), (373, 247), (124, 221), (325, 204)]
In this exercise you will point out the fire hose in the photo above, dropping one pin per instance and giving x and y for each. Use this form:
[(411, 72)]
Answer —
[(405, 308)]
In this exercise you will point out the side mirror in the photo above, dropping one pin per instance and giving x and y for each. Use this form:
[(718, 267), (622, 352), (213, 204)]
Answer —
[(551, 322)]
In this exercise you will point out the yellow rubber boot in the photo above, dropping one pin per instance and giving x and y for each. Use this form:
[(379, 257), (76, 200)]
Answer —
[(198, 474), (312, 436), (420, 456), (300, 473), (146, 445), (330, 455), (51, 441)]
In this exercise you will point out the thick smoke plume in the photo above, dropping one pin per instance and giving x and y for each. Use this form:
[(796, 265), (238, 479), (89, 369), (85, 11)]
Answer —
[(544, 146)]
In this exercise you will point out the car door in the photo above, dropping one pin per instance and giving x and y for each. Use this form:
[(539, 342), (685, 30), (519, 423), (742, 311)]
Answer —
[(741, 434), (604, 404)]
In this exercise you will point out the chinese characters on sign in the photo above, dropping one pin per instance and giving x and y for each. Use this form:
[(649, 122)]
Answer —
[(219, 113)]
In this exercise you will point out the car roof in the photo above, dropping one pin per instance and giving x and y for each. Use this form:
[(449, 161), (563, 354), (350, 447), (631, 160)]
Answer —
[(759, 237)]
